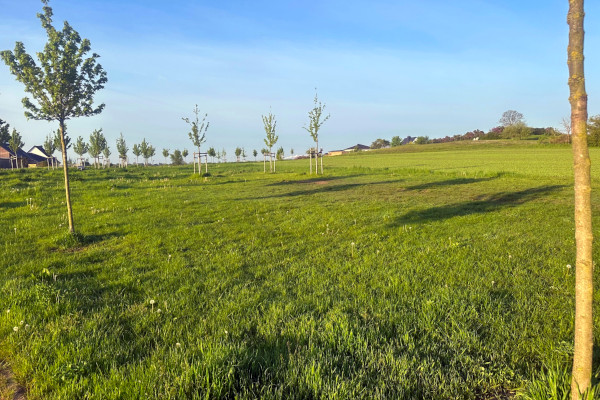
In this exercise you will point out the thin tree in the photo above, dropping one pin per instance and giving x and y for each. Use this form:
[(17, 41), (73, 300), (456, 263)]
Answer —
[(566, 125), (198, 131), (151, 153), (136, 152), (80, 147), (255, 153), (122, 149), (316, 120), (15, 143), (270, 125), (212, 153), (224, 155), (165, 154), (49, 149), (280, 153), (96, 145), (238, 153), (584, 329), (184, 153), (64, 84), (145, 150), (106, 153)]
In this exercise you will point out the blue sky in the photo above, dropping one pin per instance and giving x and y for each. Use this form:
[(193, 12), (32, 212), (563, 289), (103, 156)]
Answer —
[(383, 68)]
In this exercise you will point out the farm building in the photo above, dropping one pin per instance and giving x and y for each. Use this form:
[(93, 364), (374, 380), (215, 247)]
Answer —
[(35, 157), (356, 147), (39, 158)]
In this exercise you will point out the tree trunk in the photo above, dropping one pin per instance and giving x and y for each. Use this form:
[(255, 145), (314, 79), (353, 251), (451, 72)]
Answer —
[(66, 172), (583, 346), (317, 157)]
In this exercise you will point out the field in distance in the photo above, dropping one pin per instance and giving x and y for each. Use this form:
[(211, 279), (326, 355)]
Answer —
[(437, 271)]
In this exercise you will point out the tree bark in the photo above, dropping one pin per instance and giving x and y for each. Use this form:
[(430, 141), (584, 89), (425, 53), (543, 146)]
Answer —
[(66, 171), (583, 341)]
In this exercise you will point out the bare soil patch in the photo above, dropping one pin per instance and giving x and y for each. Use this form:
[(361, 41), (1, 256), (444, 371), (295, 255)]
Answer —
[(9, 389)]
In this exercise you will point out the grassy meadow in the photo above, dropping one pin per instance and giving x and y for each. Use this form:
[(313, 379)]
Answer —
[(427, 272)]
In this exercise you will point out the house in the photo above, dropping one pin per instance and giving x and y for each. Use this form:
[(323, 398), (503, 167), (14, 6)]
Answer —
[(35, 157), (39, 158), (356, 147), (8, 159)]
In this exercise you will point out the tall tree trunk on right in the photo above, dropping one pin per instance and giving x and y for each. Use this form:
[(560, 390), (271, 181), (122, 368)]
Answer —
[(66, 171), (584, 340)]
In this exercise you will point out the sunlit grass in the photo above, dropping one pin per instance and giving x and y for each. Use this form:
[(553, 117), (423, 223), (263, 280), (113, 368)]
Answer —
[(437, 274)]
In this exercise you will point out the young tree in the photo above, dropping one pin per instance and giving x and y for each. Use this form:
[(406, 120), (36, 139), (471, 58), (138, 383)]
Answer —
[(280, 153), (292, 152), (15, 143), (4, 134), (238, 153), (177, 158), (396, 141), (122, 149), (96, 146), (185, 153), (243, 154), (212, 153), (566, 125), (49, 148), (255, 153), (165, 154), (137, 151), (151, 153), (63, 85), (270, 125), (198, 131), (224, 155), (316, 120), (106, 153), (80, 147), (584, 329)]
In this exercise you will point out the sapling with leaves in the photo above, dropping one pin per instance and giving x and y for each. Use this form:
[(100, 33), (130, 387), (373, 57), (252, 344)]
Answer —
[(137, 151), (15, 142), (165, 153), (255, 153), (49, 149), (184, 153), (96, 145), (280, 153), (145, 151), (212, 153), (122, 150), (198, 130), (80, 148), (62, 86), (270, 124), (106, 154), (238, 153), (316, 119)]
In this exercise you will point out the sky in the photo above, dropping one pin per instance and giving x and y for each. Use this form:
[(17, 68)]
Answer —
[(382, 68)]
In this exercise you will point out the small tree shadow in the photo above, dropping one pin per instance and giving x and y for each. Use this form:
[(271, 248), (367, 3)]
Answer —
[(450, 182), (490, 203)]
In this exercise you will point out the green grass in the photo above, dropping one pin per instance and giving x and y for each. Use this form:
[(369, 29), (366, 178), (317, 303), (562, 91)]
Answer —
[(434, 272)]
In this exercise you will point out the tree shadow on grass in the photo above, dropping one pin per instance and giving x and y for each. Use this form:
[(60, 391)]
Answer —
[(323, 189), (449, 182), (318, 179), (12, 204), (490, 203)]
